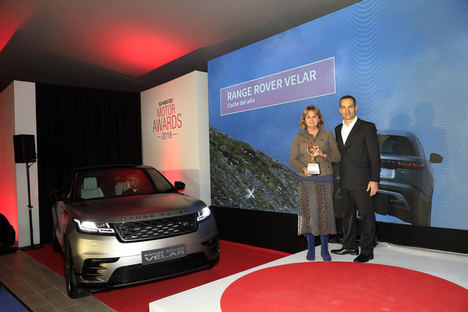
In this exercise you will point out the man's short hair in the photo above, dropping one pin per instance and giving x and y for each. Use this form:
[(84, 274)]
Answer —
[(348, 97)]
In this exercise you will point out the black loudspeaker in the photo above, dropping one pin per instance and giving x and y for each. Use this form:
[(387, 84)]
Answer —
[(25, 148)]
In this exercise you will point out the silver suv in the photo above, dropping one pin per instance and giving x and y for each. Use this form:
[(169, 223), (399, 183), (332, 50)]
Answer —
[(122, 225)]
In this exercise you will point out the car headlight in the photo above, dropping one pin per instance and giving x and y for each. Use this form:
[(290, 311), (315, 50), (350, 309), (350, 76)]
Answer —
[(203, 214), (94, 227)]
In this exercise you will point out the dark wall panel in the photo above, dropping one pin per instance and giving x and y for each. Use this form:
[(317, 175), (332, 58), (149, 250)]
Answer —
[(279, 231)]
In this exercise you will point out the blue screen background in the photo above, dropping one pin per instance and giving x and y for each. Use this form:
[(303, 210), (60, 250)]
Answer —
[(406, 62)]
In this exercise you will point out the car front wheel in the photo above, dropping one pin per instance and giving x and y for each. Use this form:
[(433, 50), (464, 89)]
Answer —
[(55, 243), (422, 213), (73, 289)]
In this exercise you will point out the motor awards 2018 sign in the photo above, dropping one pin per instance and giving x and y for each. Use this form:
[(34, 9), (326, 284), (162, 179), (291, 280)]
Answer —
[(167, 120)]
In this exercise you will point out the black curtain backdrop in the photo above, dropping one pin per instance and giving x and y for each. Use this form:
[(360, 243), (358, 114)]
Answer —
[(79, 127)]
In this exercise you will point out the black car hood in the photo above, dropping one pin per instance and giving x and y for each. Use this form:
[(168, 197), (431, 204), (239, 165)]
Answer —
[(136, 208)]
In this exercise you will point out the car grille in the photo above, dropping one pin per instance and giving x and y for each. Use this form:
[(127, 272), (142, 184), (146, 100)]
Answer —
[(138, 272), (156, 228)]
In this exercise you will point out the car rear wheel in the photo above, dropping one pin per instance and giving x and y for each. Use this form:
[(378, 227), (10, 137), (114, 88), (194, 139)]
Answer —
[(422, 213), (55, 243), (73, 289)]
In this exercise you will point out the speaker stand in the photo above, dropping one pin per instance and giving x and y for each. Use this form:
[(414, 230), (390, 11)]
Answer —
[(30, 207)]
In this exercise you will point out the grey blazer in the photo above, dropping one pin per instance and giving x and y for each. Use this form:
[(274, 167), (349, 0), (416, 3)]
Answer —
[(299, 158)]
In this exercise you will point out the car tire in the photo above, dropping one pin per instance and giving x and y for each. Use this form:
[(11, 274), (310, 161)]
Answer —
[(55, 243), (73, 289), (422, 213), (214, 262)]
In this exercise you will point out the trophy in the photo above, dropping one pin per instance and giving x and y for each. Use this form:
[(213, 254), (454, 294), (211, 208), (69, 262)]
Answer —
[(312, 166)]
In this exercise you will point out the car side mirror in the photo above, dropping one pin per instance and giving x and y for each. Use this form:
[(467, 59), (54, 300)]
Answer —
[(56, 195), (435, 158), (180, 186)]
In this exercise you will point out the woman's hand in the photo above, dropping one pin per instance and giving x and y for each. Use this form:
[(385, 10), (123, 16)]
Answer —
[(318, 152)]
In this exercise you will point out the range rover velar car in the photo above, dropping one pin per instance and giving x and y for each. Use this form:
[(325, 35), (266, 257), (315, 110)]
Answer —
[(120, 225)]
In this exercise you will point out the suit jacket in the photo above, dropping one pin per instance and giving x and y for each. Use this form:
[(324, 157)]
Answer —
[(360, 156)]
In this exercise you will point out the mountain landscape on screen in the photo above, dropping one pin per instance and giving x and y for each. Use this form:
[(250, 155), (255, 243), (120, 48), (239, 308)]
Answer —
[(243, 177)]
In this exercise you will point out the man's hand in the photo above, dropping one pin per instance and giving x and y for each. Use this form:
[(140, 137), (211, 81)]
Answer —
[(373, 187)]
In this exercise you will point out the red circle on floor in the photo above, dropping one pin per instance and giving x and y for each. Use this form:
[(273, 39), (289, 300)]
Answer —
[(342, 286)]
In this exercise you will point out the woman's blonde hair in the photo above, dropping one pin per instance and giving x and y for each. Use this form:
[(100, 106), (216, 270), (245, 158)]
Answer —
[(317, 112)]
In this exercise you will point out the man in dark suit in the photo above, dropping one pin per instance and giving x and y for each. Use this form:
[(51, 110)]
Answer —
[(359, 178)]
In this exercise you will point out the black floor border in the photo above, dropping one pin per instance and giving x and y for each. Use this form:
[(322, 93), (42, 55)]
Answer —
[(278, 231)]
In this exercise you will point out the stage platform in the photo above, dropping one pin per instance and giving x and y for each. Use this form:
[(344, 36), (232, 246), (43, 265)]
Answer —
[(452, 267)]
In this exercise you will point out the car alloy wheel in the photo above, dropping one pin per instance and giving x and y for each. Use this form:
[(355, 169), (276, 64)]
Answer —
[(73, 290), (55, 243)]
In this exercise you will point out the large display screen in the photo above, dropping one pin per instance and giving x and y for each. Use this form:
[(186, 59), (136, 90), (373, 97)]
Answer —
[(405, 62)]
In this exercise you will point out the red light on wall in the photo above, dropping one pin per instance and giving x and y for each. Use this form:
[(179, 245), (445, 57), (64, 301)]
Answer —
[(8, 200), (12, 15), (139, 52), (124, 48)]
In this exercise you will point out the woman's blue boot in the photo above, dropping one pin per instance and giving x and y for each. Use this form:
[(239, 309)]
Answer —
[(324, 248), (310, 246)]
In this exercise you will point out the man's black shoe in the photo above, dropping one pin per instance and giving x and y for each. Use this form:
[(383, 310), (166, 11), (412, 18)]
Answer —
[(344, 251), (364, 258)]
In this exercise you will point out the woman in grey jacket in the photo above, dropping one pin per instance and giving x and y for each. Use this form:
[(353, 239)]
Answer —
[(312, 154)]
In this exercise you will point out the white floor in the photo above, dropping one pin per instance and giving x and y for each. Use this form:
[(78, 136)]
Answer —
[(449, 266)]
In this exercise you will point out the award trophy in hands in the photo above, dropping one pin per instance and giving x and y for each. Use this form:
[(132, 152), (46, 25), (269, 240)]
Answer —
[(314, 151)]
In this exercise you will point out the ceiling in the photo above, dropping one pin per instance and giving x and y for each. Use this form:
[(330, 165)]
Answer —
[(133, 45)]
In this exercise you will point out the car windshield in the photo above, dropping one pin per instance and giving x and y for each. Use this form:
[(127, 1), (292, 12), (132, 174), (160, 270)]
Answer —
[(113, 182), (396, 145)]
